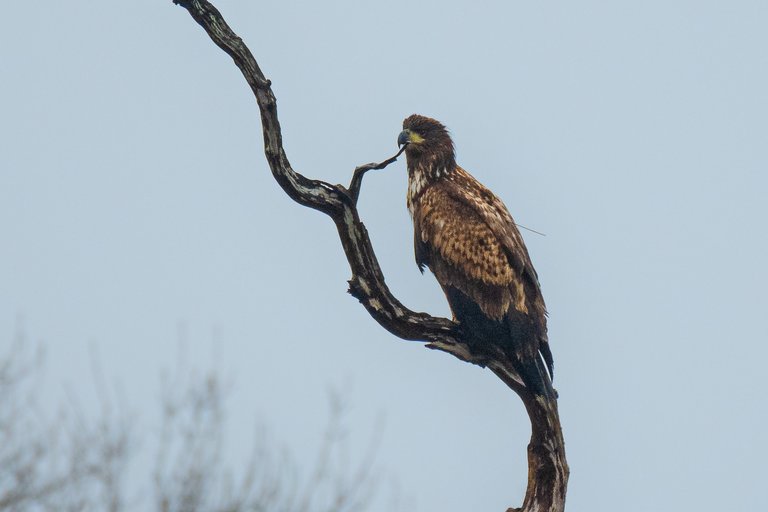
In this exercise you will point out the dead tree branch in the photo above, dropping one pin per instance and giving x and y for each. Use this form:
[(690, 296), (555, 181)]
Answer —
[(547, 466)]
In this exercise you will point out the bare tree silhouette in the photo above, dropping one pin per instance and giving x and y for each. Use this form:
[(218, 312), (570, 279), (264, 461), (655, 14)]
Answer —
[(74, 462)]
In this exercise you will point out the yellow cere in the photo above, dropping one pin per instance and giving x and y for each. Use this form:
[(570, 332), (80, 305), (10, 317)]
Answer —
[(415, 138)]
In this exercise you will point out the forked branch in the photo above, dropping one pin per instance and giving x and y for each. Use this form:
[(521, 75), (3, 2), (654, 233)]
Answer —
[(547, 467)]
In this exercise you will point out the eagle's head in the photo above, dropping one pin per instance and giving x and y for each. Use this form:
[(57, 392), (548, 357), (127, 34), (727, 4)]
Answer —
[(428, 152), (428, 145)]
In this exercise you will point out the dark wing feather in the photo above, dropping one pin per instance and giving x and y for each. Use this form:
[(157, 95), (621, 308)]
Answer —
[(420, 251), (495, 214), (467, 237), (461, 250), (493, 211)]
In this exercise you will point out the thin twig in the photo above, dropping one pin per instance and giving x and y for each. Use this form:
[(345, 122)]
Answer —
[(357, 176)]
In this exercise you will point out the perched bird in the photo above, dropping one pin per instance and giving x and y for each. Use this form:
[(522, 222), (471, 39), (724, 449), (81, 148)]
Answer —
[(467, 238)]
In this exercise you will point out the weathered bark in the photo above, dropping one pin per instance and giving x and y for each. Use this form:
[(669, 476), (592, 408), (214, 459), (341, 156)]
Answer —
[(547, 466)]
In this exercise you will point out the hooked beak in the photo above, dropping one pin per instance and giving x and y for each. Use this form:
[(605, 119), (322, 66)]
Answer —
[(404, 138)]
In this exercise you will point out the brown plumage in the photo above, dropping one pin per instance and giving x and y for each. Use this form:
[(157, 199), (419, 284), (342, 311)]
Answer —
[(467, 238)]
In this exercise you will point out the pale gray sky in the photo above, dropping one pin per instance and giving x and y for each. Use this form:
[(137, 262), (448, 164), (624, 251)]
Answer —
[(135, 198)]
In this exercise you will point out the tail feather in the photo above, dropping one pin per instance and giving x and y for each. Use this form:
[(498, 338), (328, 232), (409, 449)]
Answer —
[(534, 373), (530, 350), (546, 354)]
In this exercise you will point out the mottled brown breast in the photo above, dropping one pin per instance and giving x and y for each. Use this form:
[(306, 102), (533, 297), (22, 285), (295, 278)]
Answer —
[(463, 249)]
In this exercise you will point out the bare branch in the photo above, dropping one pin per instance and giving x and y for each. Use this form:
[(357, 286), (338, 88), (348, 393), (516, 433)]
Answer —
[(548, 470), (357, 176), (367, 282), (56, 463), (79, 463)]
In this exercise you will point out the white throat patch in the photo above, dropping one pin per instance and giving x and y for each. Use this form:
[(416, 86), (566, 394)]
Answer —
[(417, 180)]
